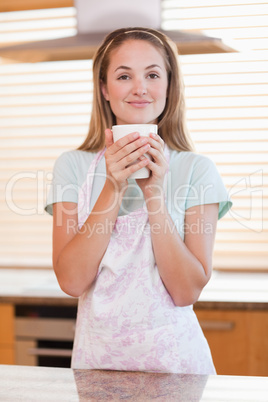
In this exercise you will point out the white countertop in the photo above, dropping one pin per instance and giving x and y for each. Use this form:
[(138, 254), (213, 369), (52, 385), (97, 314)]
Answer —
[(224, 287), (236, 287), (25, 384)]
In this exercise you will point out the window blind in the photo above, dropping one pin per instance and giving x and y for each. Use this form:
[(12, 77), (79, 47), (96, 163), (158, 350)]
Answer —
[(227, 117), (33, 25), (227, 99), (45, 110)]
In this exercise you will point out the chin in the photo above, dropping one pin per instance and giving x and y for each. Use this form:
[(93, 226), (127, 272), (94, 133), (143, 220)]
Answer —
[(137, 118), (142, 121)]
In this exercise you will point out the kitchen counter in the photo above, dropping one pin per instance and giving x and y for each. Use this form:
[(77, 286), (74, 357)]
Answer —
[(26, 384), (225, 290), (32, 286), (232, 311)]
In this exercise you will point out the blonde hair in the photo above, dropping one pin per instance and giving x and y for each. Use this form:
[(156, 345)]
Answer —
[(171, 123)]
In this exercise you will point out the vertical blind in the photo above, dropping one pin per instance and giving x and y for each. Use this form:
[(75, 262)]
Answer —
[(45, 110)]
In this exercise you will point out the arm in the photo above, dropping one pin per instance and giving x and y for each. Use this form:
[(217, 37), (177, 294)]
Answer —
[(184, 267), (77, 253)]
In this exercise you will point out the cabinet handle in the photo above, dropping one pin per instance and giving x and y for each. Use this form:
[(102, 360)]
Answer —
[(49, 352), (217, 325)]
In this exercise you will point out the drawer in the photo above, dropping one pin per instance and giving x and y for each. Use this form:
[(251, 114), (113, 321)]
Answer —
[(45, 328)]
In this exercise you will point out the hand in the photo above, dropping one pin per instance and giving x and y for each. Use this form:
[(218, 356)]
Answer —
[(121, 154), (158, 166)]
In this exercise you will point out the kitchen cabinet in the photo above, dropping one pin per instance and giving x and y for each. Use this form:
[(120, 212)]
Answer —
[(232, 309), (238, 340), (7, 354)]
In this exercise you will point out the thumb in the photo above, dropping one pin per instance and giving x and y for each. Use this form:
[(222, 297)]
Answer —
[(108, 138)]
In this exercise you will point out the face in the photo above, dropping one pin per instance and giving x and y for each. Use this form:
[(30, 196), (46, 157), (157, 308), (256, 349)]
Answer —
[(136, 83)]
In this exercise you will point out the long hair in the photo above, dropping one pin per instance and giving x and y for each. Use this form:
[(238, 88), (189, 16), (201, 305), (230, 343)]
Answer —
[(171, 122)]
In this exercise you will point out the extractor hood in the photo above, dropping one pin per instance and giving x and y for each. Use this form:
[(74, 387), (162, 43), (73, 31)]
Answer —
[(95, 19)]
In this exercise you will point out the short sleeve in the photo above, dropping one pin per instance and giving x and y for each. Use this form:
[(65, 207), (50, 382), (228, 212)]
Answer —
[(64, 186), (207, 186)]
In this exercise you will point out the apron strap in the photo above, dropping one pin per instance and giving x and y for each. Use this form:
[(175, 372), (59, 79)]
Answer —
[(84, 194), (167, 156), (92, 168), (96, 161)]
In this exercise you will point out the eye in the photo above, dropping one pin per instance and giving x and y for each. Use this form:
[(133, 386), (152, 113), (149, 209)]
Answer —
[(153, 76), (124, 77)]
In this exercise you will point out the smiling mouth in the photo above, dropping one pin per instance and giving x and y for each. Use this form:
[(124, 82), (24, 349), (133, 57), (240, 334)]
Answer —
[(139, 104)]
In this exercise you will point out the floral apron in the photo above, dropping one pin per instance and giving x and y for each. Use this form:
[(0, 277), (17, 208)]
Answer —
[(127, 320)]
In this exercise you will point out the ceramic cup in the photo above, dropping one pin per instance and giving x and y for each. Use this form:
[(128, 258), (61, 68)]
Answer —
[(120, 131)]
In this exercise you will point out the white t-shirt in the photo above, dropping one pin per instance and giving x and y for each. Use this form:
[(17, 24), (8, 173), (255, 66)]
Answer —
[(192, 180)]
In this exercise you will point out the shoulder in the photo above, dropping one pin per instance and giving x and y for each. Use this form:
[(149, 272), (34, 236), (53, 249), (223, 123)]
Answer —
[(71, 167), (190, 162), (198, 176), (69, 173), (75, 157), (74, 162), (187, 156), (193, 171)]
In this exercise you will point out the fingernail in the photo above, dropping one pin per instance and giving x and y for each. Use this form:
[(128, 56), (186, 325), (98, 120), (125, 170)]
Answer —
[(136, 135)]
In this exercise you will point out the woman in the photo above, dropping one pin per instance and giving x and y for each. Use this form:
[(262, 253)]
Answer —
[(136, 253)]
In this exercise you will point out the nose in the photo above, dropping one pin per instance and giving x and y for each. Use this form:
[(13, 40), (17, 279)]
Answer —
[(139, 87)]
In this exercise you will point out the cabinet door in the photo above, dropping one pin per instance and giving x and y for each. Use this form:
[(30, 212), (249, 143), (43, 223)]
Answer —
[(238, 340), (7, 334)]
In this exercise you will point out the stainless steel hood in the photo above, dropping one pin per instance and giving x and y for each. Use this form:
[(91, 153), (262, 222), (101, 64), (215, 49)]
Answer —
[(96, 19)]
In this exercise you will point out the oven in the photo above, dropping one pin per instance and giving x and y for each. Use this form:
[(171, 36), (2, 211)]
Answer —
[(44, 335)]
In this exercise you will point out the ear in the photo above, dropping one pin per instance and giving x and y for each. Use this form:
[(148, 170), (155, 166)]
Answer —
[(104, 90)]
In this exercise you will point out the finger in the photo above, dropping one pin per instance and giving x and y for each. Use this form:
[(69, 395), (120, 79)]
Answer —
[(131, 151), (122, 142), (132, 157), (140, 163), (123, 174), (127, 139), (108, 138), (157, 139), (158, 157), (157, 148), (142, 157)]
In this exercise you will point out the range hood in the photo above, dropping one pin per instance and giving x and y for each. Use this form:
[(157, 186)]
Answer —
[(96, 19)]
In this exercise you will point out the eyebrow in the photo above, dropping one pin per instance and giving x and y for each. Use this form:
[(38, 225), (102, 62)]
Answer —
[(129, 68)]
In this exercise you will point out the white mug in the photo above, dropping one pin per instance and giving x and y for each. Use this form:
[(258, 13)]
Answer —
[(144, 130)]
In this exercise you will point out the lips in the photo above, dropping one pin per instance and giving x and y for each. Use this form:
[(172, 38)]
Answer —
[(139, 104)]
